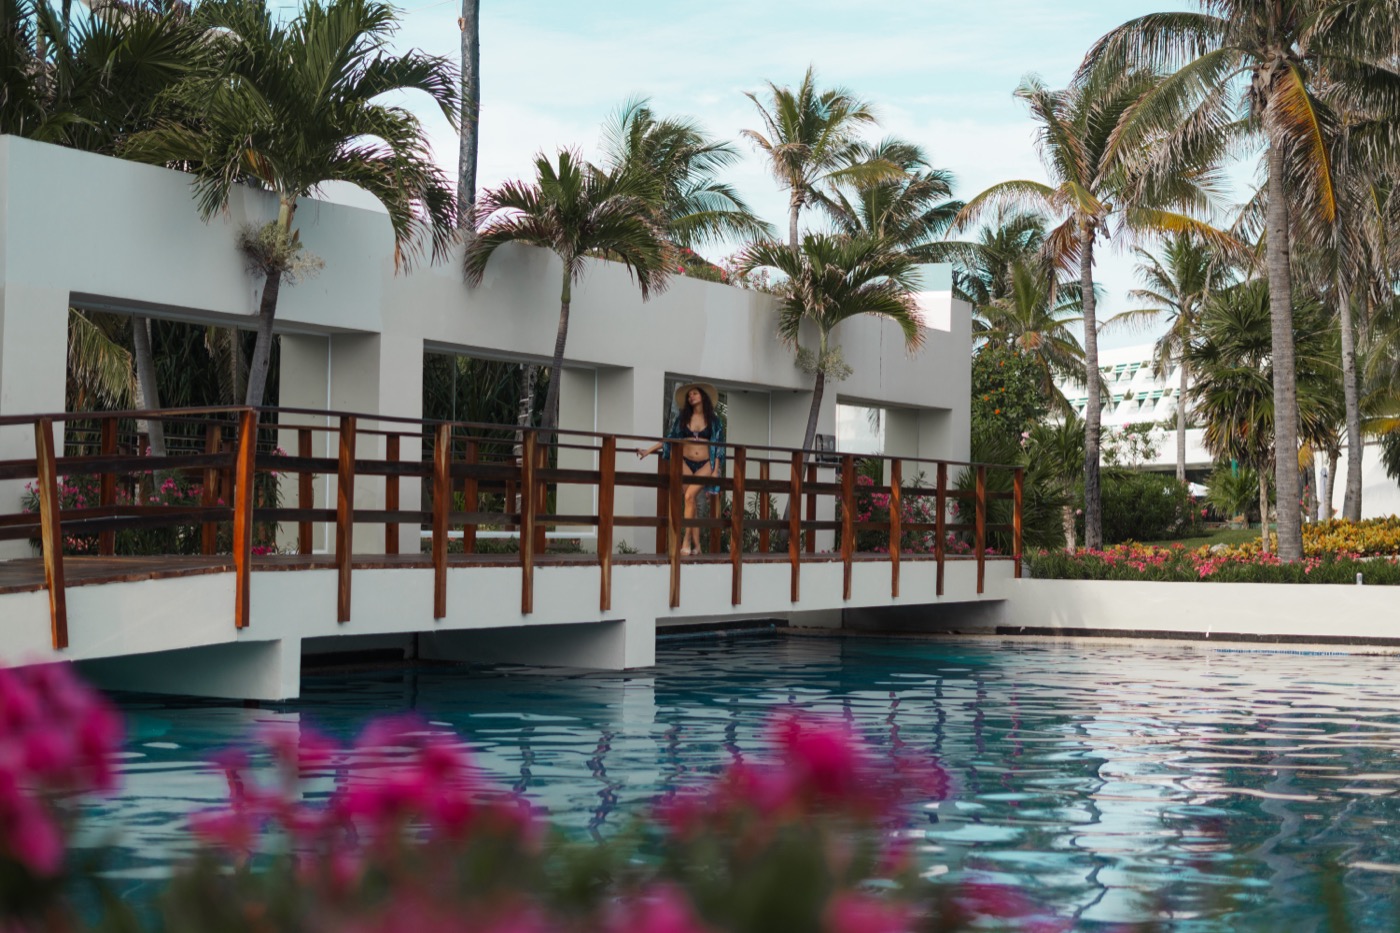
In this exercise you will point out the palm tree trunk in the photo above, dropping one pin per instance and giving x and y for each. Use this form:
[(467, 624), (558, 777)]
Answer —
[(262, 349), (1264, 542), (267, 311), (470, 114), (794, 209), (525, 407), (556, 366), (1327, 488), (1093, 516), (147, 394), (1181, 421), (1351, 497), (1067, 523), (809, 437), (1290, 527)]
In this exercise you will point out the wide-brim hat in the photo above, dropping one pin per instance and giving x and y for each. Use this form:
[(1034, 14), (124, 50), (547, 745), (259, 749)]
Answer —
[(707, 388)]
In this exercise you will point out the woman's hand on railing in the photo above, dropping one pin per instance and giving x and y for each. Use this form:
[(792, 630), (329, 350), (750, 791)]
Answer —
[(644, 452)]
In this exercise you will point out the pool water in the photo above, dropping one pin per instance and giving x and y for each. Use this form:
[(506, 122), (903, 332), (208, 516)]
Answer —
[(1207, 788)]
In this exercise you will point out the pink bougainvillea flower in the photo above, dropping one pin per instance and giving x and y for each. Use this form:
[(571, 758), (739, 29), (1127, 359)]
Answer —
[(850, 912), (662, 909)]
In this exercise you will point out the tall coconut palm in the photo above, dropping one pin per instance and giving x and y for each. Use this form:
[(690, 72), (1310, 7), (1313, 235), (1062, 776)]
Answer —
[(982, 266), (470, 117), (580, 213), (694, 206), (1176, 284), (292, 106), (831, 279), (1270, 54), (1096, 190), (809, 137), (911, 208)]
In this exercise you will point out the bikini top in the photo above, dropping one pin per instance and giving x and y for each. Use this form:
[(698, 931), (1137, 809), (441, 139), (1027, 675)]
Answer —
[(704, 435)]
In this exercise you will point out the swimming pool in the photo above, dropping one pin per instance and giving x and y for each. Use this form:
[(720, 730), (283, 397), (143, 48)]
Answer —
[(1114, 782)]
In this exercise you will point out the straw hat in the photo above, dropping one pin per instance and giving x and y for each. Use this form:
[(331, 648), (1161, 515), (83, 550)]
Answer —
[(705, 387)]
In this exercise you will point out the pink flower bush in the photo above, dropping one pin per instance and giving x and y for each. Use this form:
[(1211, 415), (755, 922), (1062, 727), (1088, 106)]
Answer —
[(57, 739)]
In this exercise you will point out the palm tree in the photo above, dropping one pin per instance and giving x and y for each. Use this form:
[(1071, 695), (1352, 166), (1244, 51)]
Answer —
[(982, 266), (580, 213), (1176, 285), (1232, 392), (470, 118), (683, 162), (1037, 319), (1271, 54), (911, 208), (1058, 447), (1094, 183), (831, 279), (290, 107), (808, 137)]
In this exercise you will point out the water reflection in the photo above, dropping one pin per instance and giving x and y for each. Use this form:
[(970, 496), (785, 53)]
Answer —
[(1116, 782)]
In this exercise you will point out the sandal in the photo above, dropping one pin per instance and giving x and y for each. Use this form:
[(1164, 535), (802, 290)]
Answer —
[(685, 550)]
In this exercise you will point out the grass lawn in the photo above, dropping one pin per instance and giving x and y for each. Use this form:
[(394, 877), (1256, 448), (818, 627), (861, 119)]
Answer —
[(1218, 536)]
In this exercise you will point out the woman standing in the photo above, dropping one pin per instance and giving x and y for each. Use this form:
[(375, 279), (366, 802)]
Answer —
[(701, 433)]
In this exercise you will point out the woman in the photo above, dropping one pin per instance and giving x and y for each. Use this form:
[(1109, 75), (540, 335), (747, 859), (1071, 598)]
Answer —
[(702, 449)]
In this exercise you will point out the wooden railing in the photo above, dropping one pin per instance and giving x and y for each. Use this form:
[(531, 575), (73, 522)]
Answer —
[(478, 484)]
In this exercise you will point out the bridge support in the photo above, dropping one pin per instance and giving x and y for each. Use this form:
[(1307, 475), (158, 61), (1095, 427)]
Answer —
[(609, 646), (247, 670)]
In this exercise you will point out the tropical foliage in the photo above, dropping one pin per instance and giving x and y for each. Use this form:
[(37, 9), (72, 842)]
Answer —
[(1179, 564)]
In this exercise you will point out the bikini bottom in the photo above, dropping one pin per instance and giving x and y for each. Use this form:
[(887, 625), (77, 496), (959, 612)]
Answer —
[(695, 465)]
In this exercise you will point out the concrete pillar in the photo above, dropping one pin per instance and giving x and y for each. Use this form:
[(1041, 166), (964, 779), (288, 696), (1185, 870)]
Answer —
[(632, 401), (578, 406), (33, 379)]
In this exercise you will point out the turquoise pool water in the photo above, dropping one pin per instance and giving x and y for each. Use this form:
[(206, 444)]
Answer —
[(1115, 783)]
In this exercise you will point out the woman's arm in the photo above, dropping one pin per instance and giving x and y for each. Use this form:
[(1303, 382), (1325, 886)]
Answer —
[(644, 452)]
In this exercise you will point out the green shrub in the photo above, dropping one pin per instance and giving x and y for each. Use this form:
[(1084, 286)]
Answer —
[(1146, 507)]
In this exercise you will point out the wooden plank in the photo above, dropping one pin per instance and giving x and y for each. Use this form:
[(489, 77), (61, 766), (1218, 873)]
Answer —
[(663, 503), (940, 534), (607, 477), (848, 517), (306, 492), (675, 499), (442, 505), (1018, 492), (528, 462), (810, 538), (542, 497), (107, 541), (765, 541), (716, 511), (471, 492), (391, 495), (51, 531), (209, 491), (244, 471), (736, 529), (345, 516), (795, 522), (980, 538), (896, 518)]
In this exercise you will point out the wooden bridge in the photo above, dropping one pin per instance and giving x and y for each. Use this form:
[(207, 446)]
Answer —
[(241, 492)]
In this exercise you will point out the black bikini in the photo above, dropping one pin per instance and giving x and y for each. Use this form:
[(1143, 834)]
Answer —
[(697, 465)]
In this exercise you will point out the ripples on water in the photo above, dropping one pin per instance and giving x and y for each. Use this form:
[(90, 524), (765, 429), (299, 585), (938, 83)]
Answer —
[(1110, 781)]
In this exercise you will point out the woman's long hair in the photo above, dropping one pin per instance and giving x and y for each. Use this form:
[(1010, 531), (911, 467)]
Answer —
[(707, 406)]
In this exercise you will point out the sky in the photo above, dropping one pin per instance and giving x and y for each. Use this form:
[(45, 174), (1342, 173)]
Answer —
[(940, 73)]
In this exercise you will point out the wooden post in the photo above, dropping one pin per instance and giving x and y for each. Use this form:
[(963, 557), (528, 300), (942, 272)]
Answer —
[(345, 516), (675, 532), (848, 521), (391, 495), (896, 523), (981, 539), (107, 540), (940, 521), (528, 460), (736, 528), (51, 531), (244, 471), (795, 521), (765, 538), (1018, 491), (542, 502), (663, 505), (471, 494), (716, 511), (306, 492), (607, 479), (810, 538), (442, 504), (209, 493)]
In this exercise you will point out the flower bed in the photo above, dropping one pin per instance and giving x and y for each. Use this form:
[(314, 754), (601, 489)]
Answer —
[(1218, 564)]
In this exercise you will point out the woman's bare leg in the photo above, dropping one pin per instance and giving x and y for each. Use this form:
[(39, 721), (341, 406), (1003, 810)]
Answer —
[(694, 493), (690, 493)]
